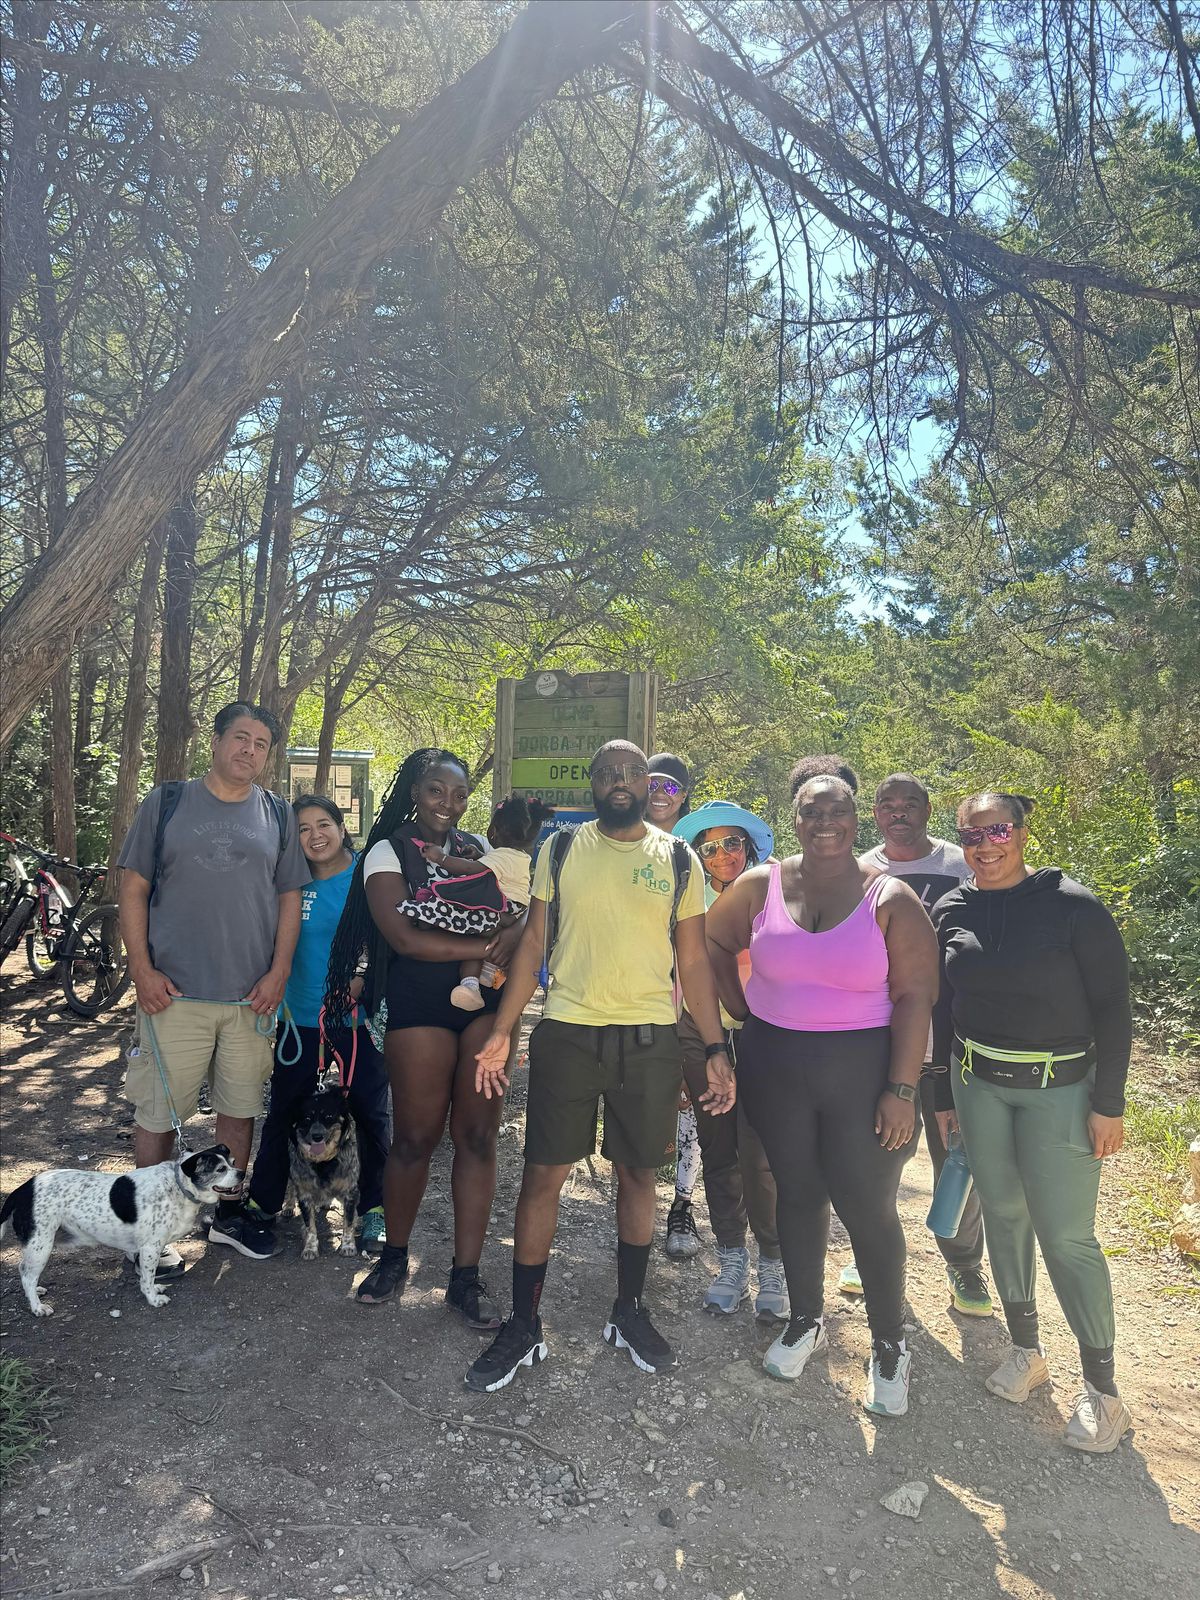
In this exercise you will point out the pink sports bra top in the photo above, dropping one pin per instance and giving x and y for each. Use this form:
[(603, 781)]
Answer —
[(819, 982)]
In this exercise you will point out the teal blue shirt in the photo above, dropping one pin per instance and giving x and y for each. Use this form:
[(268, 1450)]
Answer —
[(321, 904)]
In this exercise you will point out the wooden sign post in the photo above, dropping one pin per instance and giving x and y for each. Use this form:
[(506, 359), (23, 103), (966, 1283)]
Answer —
[(550, 724)]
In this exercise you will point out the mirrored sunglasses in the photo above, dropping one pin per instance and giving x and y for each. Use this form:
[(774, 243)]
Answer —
[(733, 844), (997, 832), (666, 786), (606, 777)]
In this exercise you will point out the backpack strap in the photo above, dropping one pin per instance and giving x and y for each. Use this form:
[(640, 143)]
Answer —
[(681, 857), (281, 808), (168, 801), (559, 844)]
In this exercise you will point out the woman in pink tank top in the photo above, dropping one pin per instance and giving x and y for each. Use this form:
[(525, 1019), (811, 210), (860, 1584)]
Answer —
[(844, 976)]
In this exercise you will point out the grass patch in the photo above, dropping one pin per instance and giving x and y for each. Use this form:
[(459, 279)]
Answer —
[(1157, 1134), (24, 1408)]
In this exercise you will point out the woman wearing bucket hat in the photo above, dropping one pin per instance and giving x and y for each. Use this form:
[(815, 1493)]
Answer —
[(737, 1177)]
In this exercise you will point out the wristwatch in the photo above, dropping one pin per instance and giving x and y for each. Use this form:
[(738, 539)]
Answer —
[(903, 1091)]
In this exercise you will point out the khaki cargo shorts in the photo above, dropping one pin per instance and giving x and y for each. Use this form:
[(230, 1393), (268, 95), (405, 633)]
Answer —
[(199, 1039)]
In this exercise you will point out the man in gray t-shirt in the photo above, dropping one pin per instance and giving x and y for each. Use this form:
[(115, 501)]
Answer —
[(211, 928)]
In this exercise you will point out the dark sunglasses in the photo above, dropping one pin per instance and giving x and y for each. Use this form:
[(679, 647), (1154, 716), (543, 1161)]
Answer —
[(733, 845), (997, 832), (666, 786)]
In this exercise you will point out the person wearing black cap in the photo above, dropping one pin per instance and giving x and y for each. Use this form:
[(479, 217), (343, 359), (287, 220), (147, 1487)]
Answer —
[(670, 799)]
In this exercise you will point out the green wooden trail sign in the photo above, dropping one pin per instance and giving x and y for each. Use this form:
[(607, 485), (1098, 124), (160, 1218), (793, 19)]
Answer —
[(550, 724)]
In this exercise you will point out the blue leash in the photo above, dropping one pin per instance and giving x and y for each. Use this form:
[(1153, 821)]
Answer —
[(181, 1144), (288, 1039)]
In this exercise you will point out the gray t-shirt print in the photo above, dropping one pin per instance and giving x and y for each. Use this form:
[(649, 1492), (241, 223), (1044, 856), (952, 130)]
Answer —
[(214, 919)]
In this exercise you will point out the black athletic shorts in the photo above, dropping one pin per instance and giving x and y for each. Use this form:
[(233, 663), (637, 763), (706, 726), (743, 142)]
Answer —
[(572, 1067), (418, 996)]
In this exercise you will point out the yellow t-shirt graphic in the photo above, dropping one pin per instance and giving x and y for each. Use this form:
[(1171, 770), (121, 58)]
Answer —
[(613, 956)]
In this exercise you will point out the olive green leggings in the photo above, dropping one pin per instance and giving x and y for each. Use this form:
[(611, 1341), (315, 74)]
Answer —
[(1036, 1176)]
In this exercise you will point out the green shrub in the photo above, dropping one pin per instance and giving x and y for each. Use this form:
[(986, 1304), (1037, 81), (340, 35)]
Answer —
[(24, 1409)]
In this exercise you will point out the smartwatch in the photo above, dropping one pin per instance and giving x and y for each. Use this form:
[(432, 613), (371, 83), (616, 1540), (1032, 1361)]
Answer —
[(711, 1050), (903, 1091)]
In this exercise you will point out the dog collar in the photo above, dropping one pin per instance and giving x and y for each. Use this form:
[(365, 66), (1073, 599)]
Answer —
[(177, 1174)]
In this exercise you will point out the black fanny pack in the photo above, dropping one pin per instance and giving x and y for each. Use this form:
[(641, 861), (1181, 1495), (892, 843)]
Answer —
[(1040, 1070)]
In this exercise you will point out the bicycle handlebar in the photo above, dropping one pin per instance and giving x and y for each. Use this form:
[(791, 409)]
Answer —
[(50, 860)]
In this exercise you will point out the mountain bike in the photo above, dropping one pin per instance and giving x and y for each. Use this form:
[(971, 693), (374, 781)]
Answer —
[(84, 947)]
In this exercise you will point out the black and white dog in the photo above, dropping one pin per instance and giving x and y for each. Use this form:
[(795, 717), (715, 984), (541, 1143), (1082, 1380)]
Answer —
[(139, 1213), (323, 1165)]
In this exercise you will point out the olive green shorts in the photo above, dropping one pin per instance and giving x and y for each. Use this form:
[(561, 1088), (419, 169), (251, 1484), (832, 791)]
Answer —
[(572, 1068)]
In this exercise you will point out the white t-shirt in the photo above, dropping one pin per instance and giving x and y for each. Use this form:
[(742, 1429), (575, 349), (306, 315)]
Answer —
[(929, 877), (381, 857)]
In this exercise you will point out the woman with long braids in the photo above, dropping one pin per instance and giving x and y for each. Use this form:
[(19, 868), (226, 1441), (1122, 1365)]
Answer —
[(430, 1044)]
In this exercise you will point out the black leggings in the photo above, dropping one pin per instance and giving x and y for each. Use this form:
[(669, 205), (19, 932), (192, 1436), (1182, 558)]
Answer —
[(811, 1099)]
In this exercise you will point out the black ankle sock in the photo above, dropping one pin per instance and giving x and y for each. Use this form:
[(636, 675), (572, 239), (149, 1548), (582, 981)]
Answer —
[(527, 1289), (227, 1209), (394, 1255), (457, 1272), (1099, 1367), (1022, 1319), (632, 1261)]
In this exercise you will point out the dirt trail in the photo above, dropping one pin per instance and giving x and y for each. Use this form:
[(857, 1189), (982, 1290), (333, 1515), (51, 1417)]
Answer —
[(253, 1417)]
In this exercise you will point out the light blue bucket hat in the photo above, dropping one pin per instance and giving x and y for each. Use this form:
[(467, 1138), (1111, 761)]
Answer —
[(724, 814)]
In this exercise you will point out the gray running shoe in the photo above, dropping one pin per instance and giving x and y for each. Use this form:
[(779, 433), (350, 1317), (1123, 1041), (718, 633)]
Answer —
[(771, 1303), (732, 1283)]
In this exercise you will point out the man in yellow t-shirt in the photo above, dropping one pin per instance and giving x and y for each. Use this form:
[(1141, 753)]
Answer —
[(608, 1032)]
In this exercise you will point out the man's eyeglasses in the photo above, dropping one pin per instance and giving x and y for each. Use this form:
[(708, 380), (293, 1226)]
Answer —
[(997, 832), (607, 777), (733, 845), (666, 786)]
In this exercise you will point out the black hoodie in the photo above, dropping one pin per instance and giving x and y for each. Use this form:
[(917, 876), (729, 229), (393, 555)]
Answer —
[(1040, 966)]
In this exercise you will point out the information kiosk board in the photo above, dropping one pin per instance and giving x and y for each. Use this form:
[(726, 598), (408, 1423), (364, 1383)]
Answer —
[(349, 784)]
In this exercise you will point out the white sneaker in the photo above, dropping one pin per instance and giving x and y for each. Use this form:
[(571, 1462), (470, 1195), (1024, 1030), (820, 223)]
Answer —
[(1098, 1421), (1018, 1374), (788, 1356), (888, 1379)]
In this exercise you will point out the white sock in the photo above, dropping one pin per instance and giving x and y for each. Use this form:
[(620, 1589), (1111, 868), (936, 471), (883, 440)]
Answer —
[(471, 983)]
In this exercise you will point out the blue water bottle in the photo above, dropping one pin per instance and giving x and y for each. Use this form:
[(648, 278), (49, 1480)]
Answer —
[(952, 1192)]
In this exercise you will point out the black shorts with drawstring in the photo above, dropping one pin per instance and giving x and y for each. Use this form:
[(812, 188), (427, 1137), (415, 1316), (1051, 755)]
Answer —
[(572, 1067)]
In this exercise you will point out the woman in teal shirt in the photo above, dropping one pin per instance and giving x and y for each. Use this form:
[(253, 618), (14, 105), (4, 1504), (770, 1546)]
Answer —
[(330, 859)]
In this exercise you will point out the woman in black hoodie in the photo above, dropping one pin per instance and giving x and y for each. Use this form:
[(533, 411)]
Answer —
[(1031, 1040)]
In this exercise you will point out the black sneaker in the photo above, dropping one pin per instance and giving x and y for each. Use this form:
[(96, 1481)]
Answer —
[(389, 1274), (468, 1294), (518, 1344), (243, 1233), (682, 1241), (629, 1328), (969, 1292)]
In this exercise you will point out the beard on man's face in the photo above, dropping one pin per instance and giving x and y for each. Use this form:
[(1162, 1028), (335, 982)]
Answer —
[(622, 814)]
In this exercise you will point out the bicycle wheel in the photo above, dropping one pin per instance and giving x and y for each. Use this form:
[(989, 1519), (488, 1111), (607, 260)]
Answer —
[(16, 923), (41, 952), (95, 964)]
